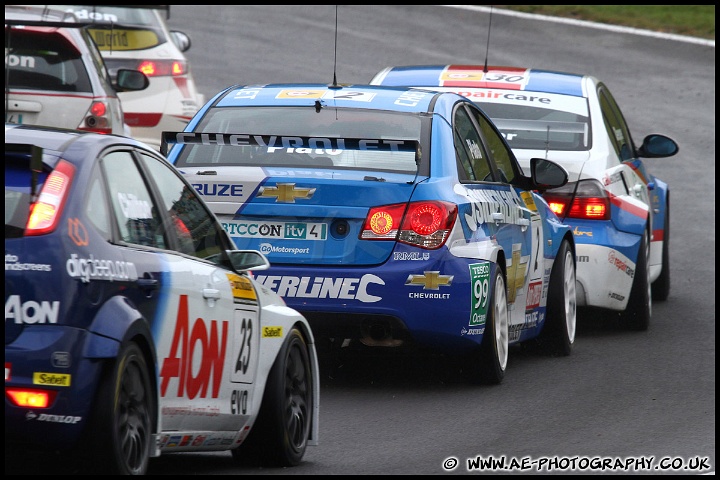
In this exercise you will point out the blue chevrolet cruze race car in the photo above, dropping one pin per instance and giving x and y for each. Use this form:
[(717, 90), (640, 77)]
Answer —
[(392, 217), (133, 325)]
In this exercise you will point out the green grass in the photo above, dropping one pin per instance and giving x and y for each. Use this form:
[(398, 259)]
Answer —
[(691, 20)]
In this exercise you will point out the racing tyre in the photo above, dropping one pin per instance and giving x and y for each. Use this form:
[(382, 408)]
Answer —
[(661, 285), (558, 333), (639, 307), (492, 356), (281, 431), (121, 424)]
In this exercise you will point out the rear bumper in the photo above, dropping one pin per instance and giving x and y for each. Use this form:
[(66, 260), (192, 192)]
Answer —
[(604, 277), (50, 358), (425, 302)]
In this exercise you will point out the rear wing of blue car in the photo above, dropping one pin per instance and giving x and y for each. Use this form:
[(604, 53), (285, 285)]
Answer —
[(218, 149), (286, 141)]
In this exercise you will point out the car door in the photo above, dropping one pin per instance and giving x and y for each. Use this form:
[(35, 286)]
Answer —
[(519, 228), (629, 178), (206, 342)]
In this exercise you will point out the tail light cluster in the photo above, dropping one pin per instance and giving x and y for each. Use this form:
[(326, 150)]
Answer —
[(586, 199), (162, 68), (425, 224), (151, 68), (30, 397), (96, 119), (46, 210)]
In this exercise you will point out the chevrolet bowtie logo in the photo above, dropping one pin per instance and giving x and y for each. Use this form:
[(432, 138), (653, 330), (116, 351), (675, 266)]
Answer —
[(430, 280), (286, 192)]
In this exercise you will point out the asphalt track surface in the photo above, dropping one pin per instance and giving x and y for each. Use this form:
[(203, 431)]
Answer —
[(621, 397)]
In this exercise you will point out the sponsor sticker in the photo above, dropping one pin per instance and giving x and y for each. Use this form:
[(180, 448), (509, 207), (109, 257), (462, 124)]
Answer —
[(480, 282)]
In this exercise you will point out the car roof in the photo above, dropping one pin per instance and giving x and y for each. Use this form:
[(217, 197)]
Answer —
[(36, 13), (401, 99), (479, 76), (60, 140), (60, 13)]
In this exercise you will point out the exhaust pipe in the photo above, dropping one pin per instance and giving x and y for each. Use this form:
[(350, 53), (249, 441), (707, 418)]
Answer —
[(378, 335)]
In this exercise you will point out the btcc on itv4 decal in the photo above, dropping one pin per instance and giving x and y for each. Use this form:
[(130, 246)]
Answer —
[(134, 326), (391, 217)]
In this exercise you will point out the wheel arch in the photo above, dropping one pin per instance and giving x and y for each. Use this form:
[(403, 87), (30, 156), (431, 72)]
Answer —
[(117, 323), (288, 319)]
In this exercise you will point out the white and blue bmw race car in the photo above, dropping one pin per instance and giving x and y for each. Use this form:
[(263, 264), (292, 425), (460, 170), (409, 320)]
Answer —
[(391, 217)]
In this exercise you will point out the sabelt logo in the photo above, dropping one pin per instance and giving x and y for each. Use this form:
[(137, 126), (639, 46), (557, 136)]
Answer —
[(272, 332), (51, 379)]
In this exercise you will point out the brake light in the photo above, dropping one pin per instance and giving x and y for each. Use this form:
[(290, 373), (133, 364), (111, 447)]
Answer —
[(163, 68), (98, 109), (31, 398), (45, 212), (96, 119), (424, 224), (589, 201)]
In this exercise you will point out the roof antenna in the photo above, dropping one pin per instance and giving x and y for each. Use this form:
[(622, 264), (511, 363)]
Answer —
[(334, 84), (487, 46)]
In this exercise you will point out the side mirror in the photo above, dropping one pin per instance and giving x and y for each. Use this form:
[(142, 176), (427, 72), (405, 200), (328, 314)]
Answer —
[(243, 260), (181, 40), (131, 80), (547, 174), (658, 146)]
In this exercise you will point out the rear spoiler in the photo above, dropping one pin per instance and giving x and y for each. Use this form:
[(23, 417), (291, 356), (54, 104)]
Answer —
[(287, 141), (35, 154), (74, 23)]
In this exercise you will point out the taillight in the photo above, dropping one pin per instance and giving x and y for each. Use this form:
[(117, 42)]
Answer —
[(96, 119), (98, 109), (163, 68), (423, 224), (589, 201), (45, 212), (30, 397)]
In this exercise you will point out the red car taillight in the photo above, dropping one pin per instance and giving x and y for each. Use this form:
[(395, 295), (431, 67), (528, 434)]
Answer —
[(45, 212), (163, 68), (30, 397), (586, 199), (424, 224), (96, 119)]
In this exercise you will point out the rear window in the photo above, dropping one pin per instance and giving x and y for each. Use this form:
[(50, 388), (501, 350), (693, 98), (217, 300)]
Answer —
[(536, 128), (42, 60), (279, 125), (120, 28)]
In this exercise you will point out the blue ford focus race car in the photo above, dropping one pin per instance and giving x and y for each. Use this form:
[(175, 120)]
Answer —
[(618, 210), (392, 217), (133, 325)]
